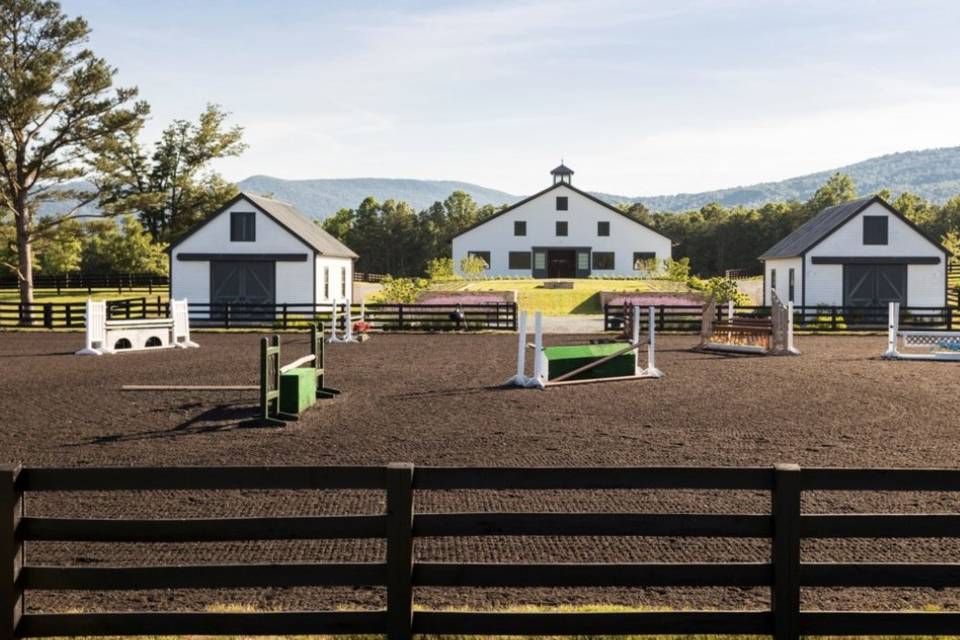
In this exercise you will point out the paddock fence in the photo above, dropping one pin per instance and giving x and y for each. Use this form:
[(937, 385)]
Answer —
[(381, 316), (399, 572), (953, 284), (820, 319), (118, 282)]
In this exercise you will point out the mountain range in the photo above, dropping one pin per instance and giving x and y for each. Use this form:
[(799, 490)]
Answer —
[(931, 173)]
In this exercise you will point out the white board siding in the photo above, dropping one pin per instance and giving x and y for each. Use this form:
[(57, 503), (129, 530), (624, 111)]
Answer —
[(294, 280), (582, 216), (925, 283), (782, 267), (335, 266)]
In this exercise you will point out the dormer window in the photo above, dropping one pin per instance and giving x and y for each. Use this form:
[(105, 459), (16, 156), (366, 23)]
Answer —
[(562, 203), (243, 226)]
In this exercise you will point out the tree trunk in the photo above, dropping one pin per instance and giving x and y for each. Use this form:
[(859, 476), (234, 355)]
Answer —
[(25, 267)]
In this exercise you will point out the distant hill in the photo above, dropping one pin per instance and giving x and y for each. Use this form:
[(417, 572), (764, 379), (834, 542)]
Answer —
[(932, 173), (322, 198)]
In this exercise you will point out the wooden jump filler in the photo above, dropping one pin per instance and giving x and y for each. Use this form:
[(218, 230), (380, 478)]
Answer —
[(936, 345), (580, 364), (760, 336), (105, 336)]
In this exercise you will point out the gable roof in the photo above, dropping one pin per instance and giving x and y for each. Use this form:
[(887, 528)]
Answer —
[(565, 185), (819, 227), (284, 214)]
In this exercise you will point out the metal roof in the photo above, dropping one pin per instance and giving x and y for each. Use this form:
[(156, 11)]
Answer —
[(562, 170), (811, 232)]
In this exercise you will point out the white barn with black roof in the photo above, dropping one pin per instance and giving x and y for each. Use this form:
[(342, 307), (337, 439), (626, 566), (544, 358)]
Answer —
[(562, 232), (862, 253), (261, 251)]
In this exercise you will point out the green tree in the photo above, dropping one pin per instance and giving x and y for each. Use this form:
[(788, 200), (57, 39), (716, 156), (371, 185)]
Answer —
[(339, 224), (839, 188), (61, 251), (124, 247), (172, 187), (57, 101)]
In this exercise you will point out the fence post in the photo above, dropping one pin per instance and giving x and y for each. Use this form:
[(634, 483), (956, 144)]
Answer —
[(226, 315), (48, 316), (786, 552), (284, 316), (513, 316), (68, 314), (663, 319), (400, 317), (399, 551), (833, 318), (11, 596)]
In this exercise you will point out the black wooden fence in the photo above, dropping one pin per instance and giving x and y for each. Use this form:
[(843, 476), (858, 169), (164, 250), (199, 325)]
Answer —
[(400, 524), (119, 282), (821, 319), (381, 317)]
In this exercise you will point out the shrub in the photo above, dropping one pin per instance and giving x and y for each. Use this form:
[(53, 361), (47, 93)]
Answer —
[(473, 266), (724, 290), (441, 269), (401, 290), (677, 270)]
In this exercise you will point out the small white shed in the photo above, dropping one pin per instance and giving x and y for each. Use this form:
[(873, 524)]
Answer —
[(860, 253), (256, 250)]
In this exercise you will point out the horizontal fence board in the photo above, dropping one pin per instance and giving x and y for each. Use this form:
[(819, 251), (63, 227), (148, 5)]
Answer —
[(202, 530), (38, 625), (864, 574), (200, 478), (861, 623), (880, 526), (592, 478), (440, 574), (202, 576), (569, 624), (817, 479), (592, 524)]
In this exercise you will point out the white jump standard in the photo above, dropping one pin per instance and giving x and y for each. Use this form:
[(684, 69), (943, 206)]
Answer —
[(109, 336), (938, 345), (349, 319), (580, 364)]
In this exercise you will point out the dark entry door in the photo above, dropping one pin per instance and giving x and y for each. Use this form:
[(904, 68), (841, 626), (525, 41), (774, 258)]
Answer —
[(561, 263), (870, 285), (243, 283)]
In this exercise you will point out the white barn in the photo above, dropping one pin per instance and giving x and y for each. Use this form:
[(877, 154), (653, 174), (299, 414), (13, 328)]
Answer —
[(257, 250), (857, 254), (562, 232)]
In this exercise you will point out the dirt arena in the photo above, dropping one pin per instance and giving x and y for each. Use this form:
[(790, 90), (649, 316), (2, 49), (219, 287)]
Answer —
[(434, 400)]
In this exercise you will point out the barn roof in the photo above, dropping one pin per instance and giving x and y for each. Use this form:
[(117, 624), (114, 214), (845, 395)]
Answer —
[(813, 231), (284, 214)]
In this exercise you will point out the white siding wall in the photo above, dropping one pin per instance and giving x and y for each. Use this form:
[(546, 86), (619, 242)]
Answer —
[(925, 283), (334, 267), (191, 280), (782, 267), (540, 214)]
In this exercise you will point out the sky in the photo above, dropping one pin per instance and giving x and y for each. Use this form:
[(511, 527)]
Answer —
[(638, 97)]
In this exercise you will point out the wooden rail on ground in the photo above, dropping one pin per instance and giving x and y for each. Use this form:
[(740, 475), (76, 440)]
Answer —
[(784, 525)]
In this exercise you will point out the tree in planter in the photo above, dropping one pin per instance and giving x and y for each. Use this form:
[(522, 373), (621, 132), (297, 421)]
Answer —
[(57, 101), (171, 188)]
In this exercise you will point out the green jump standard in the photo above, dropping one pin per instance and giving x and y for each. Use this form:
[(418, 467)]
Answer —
[(561, 360), (298, 390)]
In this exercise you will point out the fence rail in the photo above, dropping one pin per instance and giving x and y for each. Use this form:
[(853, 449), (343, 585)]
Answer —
[(784, 525), (119, 281), (381, 317), (820, 319)]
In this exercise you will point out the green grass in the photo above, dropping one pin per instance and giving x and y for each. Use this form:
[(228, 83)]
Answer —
[(81, 295), (584, 298)]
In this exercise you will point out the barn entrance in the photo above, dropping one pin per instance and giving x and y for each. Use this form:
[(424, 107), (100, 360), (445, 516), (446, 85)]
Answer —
[(244, 283), (561, 263), (874, 285)]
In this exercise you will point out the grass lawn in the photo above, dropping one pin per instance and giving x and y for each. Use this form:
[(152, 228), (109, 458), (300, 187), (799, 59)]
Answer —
[(81, 295), (584, 298)]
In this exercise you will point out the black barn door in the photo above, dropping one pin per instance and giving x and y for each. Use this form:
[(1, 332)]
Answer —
[(874, 285), (245, 284)]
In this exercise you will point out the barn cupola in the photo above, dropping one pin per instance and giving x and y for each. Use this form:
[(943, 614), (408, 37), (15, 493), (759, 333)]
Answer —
[(563, 173)]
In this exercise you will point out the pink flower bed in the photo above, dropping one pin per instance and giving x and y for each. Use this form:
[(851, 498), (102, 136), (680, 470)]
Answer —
[(656, 299)]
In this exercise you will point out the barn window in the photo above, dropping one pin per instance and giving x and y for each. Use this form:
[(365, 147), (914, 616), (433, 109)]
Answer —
[(483, 255), (243, 226), (874, 229), (792, 278), (520, 227), (343, 282), (562, 203), (519, 259), (773, 280), (602, 260), (561, 227), (326, 283), (642, 260), (603, 228)]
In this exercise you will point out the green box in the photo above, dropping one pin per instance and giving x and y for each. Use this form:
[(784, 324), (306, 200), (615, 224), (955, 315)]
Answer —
[(561, 360), (298, 390)]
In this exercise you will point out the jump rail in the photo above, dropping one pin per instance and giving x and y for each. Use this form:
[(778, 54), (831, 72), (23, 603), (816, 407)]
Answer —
[(784, 525)]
